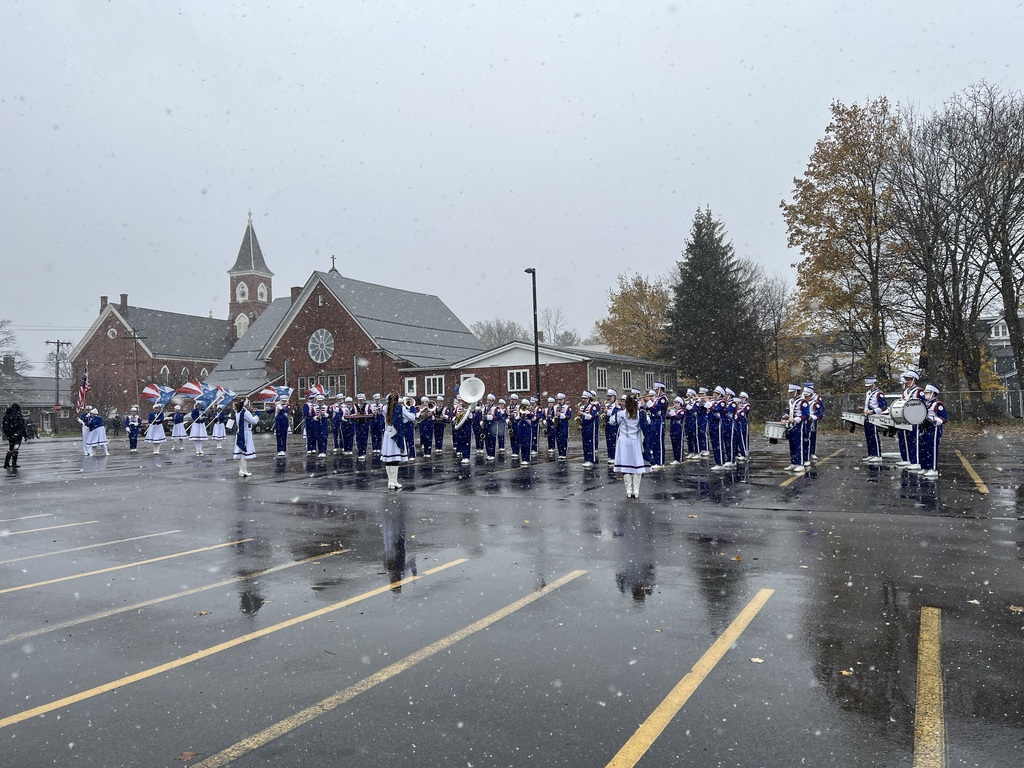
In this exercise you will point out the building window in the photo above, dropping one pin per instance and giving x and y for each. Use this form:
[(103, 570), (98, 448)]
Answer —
[(165, 374), (261, 292), (302, 384), (1000, 331), (649, 380), (242, 292), (184, 374), (203, 374), (433, 385), (241, 324), (410, 386), (465, 376), (342, 382), (627, 380), (602, 378), (112, 333), (319, 299), (331, 383), (321, 380), (519, 380)]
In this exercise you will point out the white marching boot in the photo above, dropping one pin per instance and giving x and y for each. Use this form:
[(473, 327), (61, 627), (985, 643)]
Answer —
[(636, 486), (628, 482)]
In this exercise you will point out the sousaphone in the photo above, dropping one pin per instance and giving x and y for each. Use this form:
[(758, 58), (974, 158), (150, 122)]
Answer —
[(471, 391)]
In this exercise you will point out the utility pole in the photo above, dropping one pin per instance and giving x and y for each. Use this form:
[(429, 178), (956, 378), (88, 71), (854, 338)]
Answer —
[(135, 339), (56, 382)]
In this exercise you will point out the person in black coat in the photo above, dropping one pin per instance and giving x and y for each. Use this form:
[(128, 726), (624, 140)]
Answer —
[(14, 432)]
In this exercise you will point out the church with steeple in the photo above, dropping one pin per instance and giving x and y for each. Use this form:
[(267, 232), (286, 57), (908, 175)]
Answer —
[(345, 335)]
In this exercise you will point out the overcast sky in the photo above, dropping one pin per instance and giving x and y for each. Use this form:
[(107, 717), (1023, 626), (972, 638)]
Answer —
[(439, 147)]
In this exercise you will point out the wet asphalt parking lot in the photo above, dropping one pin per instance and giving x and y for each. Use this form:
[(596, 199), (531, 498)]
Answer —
[(161, 611)]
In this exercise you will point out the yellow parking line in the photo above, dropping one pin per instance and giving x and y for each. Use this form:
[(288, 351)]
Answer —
[(982, 488), (157, 600), (651, 728), (121, 682), (929, 720), (52, 528), (335, 700), (121, 567), (87, 546), (796, 477)]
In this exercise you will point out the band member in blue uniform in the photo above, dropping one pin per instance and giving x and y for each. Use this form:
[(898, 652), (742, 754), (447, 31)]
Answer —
[(442, 417), (729, 428), (716, 432), (378, 423), (794, 419), (97, 434), (611, 424), (525, 429), (362, 416), (742, 432), (83, 419), (931, 432), (282, 422), (244, 448), (703, 405), (348, 426), (676, 416), (197, 431), (410, 427), (629, 460), (563, 415), (426, 424), (490, 420), (513, 423), (501, 416), (462, 435), (155, 434), (874, 403), (816, 406), (178, 429), (909, 439), (590, 414), (535, 407), (309, 422), (658, 411), (321, 425), (393, 451), (132, 425), (690, 424), (220, 425)]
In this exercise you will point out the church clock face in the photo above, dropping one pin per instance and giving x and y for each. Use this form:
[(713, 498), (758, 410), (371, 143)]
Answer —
[(321, 345)]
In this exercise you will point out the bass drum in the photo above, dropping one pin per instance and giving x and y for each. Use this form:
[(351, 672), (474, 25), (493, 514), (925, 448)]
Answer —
[(912, 411)]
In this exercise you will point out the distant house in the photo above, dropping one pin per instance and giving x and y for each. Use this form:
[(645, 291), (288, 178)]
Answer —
[(511, 368), (37, 396), (996, 337)]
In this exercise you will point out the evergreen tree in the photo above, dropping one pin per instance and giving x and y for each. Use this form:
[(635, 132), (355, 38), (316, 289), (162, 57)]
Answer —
[(713, 337)]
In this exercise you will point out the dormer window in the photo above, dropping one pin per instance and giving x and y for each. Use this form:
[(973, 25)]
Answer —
[(241, 324), (261, 292), (1000, 331), (242, 292)]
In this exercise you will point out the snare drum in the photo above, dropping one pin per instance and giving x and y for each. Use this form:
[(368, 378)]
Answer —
[(908, 411), (774, 430)]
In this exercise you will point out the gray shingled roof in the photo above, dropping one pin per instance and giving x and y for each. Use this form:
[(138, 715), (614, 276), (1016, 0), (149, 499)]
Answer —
[(241, 370), (32, 391), (612, 357), (417, 327), (250, 257), (169, 334)]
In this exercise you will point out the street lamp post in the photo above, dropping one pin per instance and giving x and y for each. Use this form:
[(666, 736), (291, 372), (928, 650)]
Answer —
[(536, 344)]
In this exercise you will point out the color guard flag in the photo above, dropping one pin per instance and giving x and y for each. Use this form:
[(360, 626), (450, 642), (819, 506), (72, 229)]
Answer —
[(83, 391), (191, 389), (158, 394)]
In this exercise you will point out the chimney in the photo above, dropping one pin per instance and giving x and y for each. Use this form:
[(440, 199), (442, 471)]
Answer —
[(123, 308), (8, 368), (103, 303), (296, 290)]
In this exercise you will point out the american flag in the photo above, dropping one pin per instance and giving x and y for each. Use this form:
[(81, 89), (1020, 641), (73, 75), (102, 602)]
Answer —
[(83, 390)]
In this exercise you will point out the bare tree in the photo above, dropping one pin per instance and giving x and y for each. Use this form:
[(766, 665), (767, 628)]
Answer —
[(494, 333), (9, 347), (556, 328), (63, 362)]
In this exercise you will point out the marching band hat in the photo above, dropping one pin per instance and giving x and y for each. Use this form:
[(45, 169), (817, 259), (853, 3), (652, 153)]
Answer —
[(489, 397), (93, 410), (560, 396), (177, 407), (156, 405), (550, 400), (729, 392), (360, 396), (807, 392), (440, 397), (794, 388), (910, 373), (650, 391), (586, 393), (612, 393), (931, 388), (809, 385), (744, 395), (135, 408), (869, 380), (424, 399), (690, 391), (319, 398), (501, 401), (338, 396), (514, 396), (678, 400), (719, 391), (347, 399), (659, 385), (703, 390), (634, 391), (376, 395)]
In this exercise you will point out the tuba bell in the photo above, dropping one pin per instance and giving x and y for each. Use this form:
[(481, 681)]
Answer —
[(471, 391)]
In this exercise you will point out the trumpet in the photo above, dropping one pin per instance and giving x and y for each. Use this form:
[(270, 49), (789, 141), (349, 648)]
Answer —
[(524, 408)]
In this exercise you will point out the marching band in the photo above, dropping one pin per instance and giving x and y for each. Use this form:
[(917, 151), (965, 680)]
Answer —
[(702, 424)]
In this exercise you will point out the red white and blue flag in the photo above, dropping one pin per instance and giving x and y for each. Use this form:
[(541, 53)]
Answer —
[(83, 391), (158, 394), (317, 389), (224, 395), (191, 390), (274, 393)]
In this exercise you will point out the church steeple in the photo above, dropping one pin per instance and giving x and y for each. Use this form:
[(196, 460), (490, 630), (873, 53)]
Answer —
[(250, 284)]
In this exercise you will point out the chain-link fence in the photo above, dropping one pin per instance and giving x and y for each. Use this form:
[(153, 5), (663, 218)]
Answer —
[(964, 405)]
